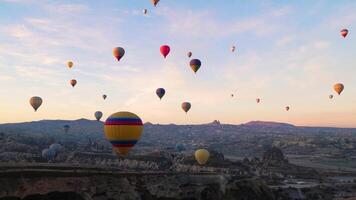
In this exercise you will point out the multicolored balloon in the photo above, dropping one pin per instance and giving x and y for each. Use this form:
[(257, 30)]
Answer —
[(70, 64), (186, 106), (36, 102), (73, 82), (98, 115), (160, 92), (202, 156), (344, 32), (119, 52), (164, 49), (338, 87), (123, 130), (195, 65)]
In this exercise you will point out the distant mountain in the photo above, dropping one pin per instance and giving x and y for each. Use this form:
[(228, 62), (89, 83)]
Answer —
[(268, 124)]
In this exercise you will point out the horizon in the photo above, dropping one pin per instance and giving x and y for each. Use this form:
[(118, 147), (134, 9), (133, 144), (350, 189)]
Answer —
[(287, 54)]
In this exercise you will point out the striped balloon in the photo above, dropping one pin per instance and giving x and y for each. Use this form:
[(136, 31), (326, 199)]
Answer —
[(123, 130)]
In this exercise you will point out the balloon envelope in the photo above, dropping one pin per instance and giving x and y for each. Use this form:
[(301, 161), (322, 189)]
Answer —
[(186, 106), (104, 96), (258, 100), (119, 52), (338, 87), (145, 11), (189, 54), (195, 65), (70, 64), (164, 49), (66, 128), (98, 115), (73, 82), (287, 108), (155, 2), (233, 48), (123, 130), (344, 32), (202, 156), (36, 102), (160, 92), (331, 96)]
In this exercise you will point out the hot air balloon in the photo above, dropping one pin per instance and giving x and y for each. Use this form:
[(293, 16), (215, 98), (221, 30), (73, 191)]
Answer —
[(232, 95), (56, 147), (48, 154), (104, 96), (195, 65), (202, 156), (144, 11), (186, 106), (331, 96), (344, 32), (258, 100), (98, 115), (189, 54), (119, 52), (160, 92), (287, 108), (36, 102), (73, 82), (180, 147), (338, 87), (123, 130), (155, 2), (233, 48), (66, 128), (164, 49), (70, 64)]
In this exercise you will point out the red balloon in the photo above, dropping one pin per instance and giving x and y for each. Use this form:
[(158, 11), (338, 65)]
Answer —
[(165, 50)]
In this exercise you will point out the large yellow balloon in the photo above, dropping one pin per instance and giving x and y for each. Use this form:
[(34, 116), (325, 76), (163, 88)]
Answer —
[(70, 64), (36, 102), (202, 156), (338, 87), (123, 130)]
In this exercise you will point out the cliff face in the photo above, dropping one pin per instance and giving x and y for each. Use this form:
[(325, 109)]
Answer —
[(135, 187)]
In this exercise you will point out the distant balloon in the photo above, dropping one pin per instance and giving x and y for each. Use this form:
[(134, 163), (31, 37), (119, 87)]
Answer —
[(258, 100), (160, 92), (36, 102), (56, 147), (165, 49), (189, 54), (104, 96), (70, 64), (180, 147), (202, 156), (338, 87), (344, 32), (73, 82), (66, 128), (48, 154), (119, 52), (233, 48), (98, 115), (155, 2), (331, 96), (145, 11), (123, 130), (186, 106), (232, 95), (287, 108), (195, 65)]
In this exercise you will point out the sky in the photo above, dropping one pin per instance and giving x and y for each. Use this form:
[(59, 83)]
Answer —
[(288, 53)]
